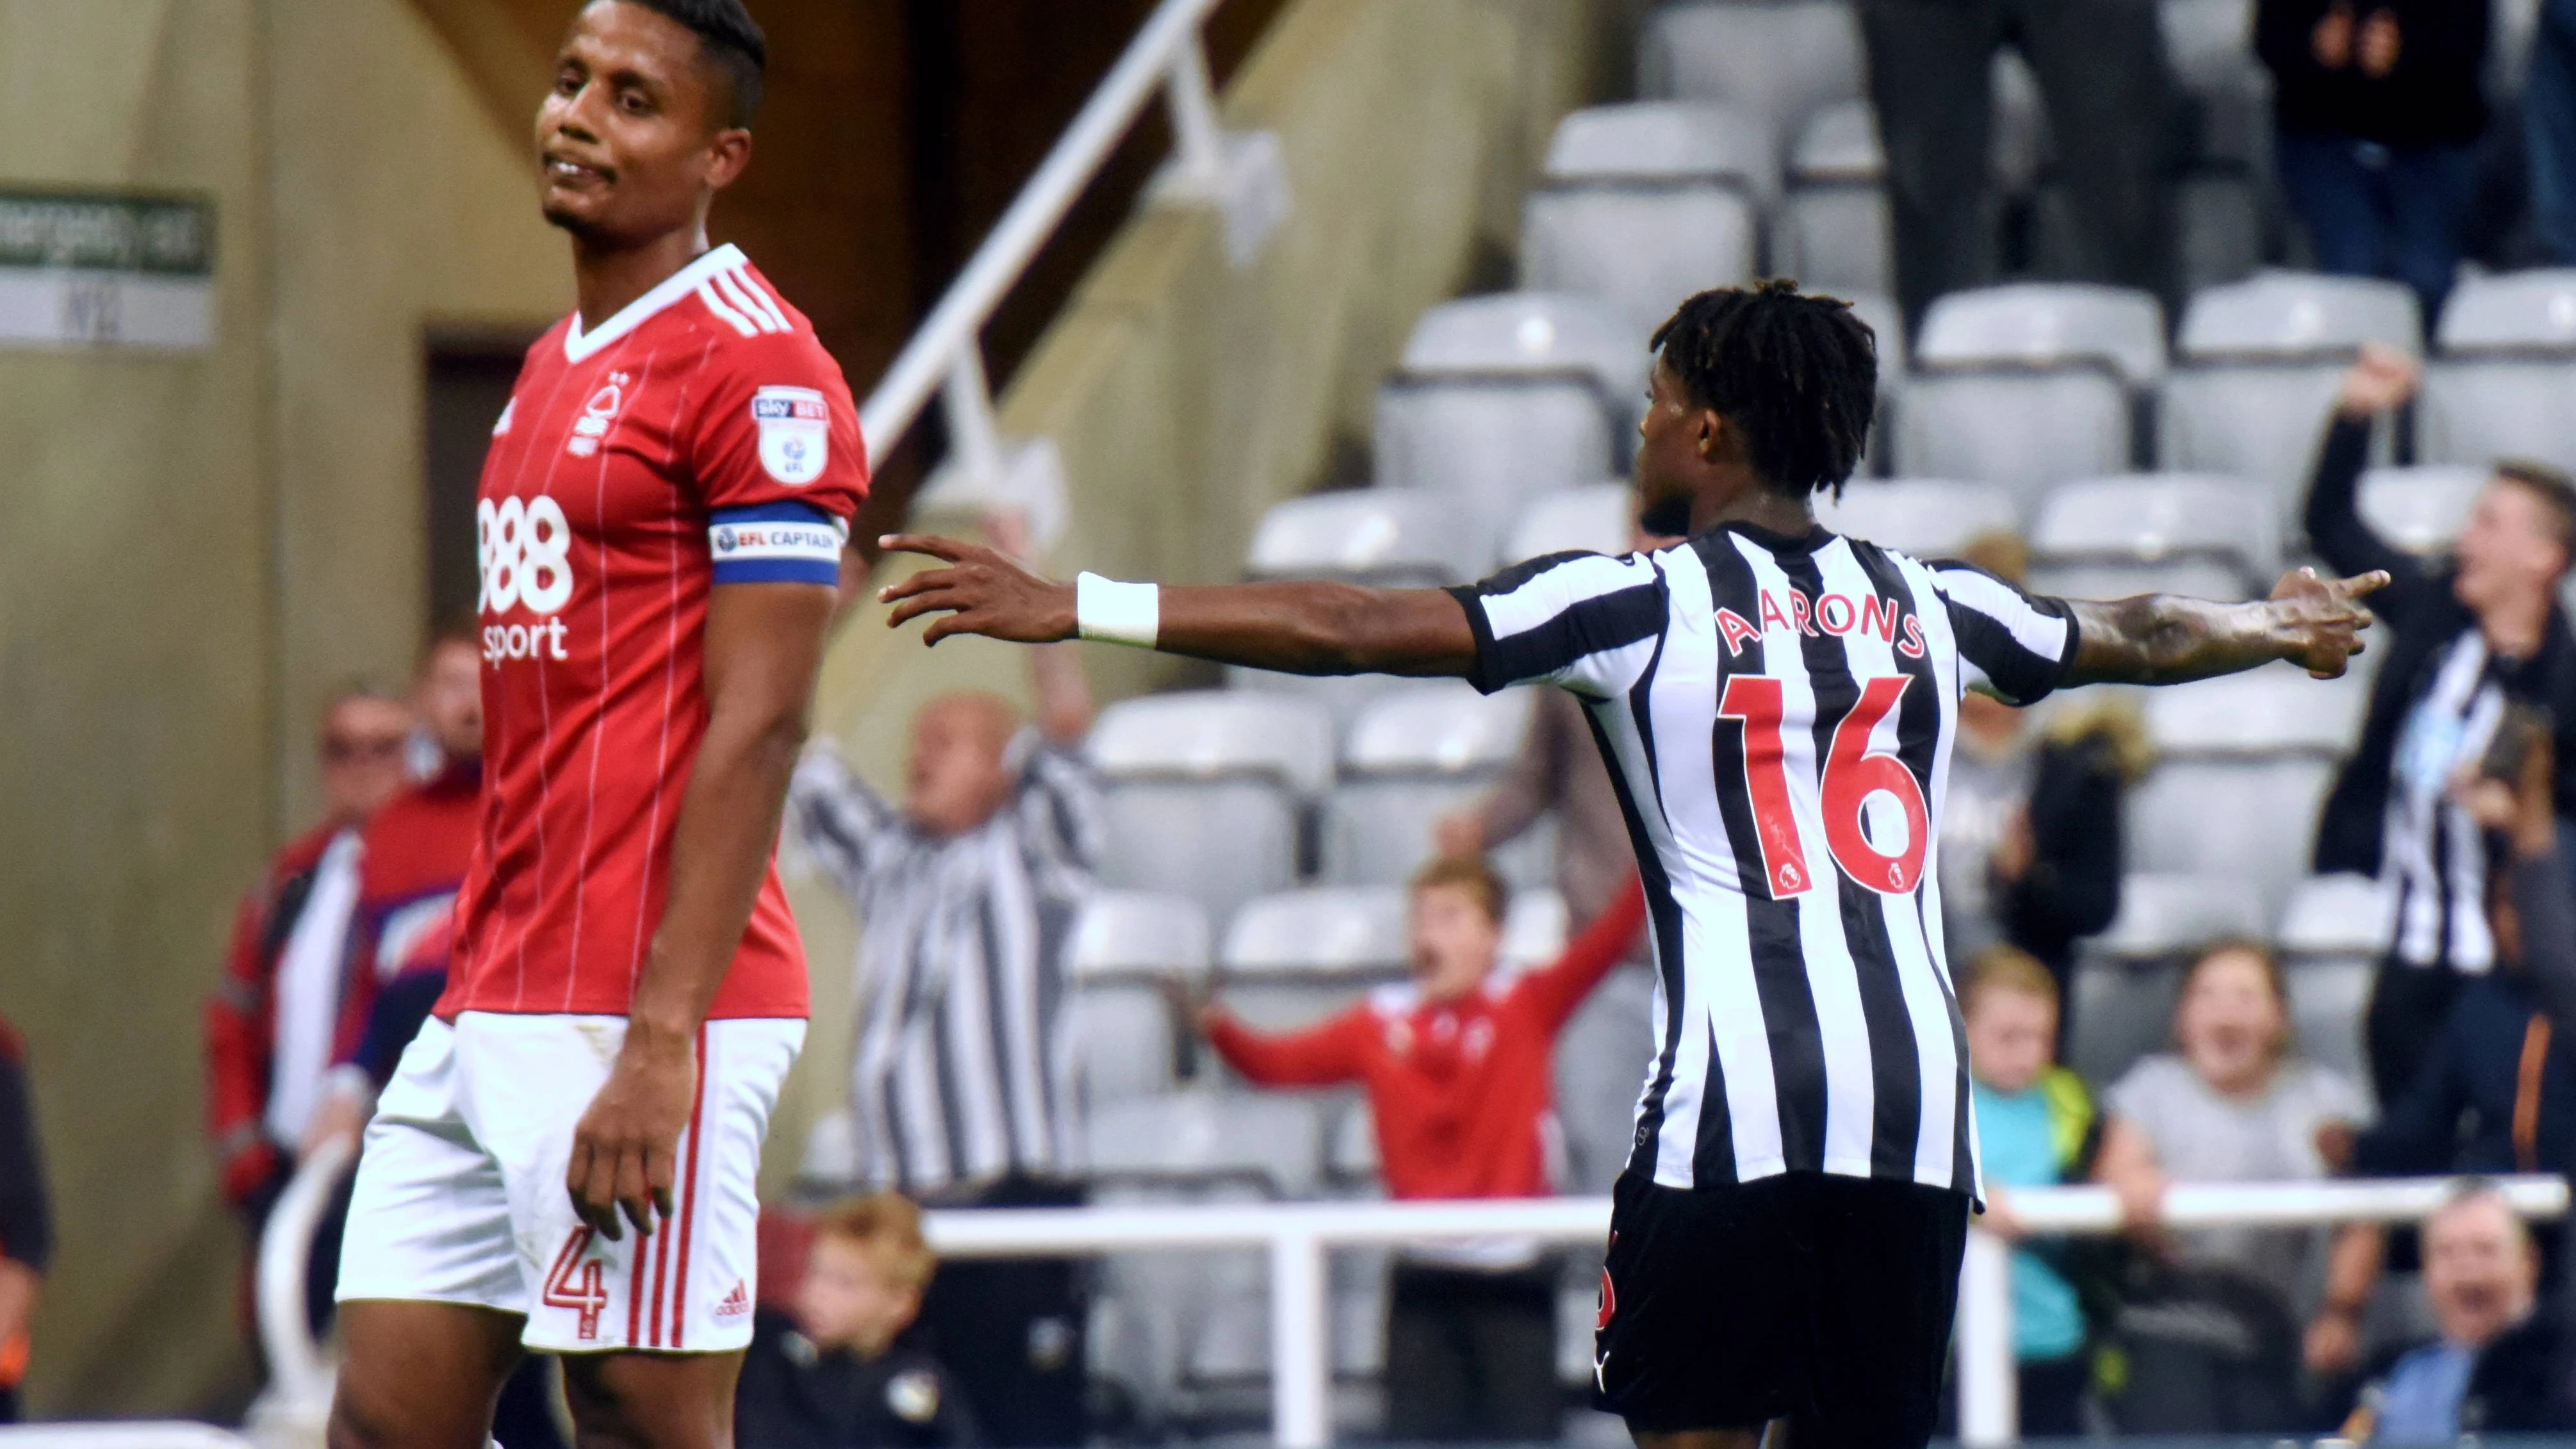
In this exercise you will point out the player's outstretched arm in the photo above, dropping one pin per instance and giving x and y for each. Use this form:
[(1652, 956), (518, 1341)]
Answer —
[(764, 646), (2312, 622), (1294, 628)]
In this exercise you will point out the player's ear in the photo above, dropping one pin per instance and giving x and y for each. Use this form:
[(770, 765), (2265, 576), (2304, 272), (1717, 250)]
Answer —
[(728, 152)]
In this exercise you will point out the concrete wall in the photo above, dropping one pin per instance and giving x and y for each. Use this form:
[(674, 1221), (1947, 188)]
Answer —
[(198, 546), (1186, 396)]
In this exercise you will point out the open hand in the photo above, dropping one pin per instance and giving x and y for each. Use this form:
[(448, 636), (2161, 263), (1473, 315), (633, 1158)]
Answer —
[(624, 1148), (2382, 378), (981, 592), (2320, 620)]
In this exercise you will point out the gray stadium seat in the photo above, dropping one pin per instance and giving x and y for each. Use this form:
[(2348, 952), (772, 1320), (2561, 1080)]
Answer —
[(1601, 1061), (1289, 959), (1833, 227), (2108, 538), (1416, 754), (1536, 928), (1644, 204), (2259, 366), (1205, 793), (1386, 537), (2029, 385), (1925, 517), (1780, 59), (2421, 509), (2331, 938), (2504, 383), (1588, 518), (1500, 398), (2126, 978), (1201, 1136), (1125, 945), (2243, 765)]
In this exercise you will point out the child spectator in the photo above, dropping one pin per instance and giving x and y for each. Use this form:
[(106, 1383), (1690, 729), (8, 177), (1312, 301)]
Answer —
[(2037, 1128), (1457, 1070), (844, 1371)]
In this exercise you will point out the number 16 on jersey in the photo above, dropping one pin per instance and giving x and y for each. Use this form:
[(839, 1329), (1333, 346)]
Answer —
[(1853, 774)]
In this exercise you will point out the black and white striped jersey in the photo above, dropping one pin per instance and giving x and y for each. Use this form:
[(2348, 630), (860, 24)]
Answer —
[(1778, 714), (2433, 853)]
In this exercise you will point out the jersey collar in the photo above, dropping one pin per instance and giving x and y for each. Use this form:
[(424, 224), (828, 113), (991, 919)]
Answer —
[(579, 344)]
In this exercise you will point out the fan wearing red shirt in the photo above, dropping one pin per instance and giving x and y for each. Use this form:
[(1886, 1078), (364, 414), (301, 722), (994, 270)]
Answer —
[(1457, 1068), (565, 1158)]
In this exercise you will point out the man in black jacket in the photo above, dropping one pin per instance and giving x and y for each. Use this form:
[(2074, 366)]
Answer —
[(2471, 635)]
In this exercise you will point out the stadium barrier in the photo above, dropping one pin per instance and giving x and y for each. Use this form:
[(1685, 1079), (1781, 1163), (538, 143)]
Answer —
[(1297, 1236)]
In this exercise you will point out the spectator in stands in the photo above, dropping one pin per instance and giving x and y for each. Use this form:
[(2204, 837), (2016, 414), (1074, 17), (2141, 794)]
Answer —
[(2030, 839), (2102, 71), (2549, 128), (1558, 770), (846, 1370), (967, 894), (2376, 111), (2234, 1104), (413, 854), (2468, 635), (2036, 1127), (1456, 1068), (2494, 1367), (26, 1220), (271, 1023), (2497, 1092)]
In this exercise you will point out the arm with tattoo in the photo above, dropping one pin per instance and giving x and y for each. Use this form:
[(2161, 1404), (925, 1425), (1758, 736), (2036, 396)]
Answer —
[(2161, 639)]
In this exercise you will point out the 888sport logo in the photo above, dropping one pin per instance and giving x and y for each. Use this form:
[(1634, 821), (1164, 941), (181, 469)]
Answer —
[(524, 549)]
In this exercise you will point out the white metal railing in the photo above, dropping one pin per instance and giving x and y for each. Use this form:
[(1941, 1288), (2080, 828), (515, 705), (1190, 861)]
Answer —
[(1240, 174), (1298, 1236)]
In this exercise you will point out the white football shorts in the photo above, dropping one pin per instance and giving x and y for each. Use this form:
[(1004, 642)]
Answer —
[(460, 1195)]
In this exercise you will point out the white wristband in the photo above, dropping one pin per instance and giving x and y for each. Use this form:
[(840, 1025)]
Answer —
[(1116, 613)]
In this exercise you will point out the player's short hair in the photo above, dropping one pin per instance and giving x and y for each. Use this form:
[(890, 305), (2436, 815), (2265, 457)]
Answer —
[(2555, 490), (1470, 873), (733, 44), (887, 1227), (2006, 967), (1797, 372)]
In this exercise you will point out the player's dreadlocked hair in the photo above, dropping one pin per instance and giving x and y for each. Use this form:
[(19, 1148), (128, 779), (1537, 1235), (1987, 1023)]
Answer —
[(1798, 373), (733, 43)]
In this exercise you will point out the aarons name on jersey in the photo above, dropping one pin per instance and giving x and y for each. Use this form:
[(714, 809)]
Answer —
[(524, 549)]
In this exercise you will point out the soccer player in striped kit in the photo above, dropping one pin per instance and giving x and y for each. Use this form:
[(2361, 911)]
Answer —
[(565, 1158), (1777, 705)]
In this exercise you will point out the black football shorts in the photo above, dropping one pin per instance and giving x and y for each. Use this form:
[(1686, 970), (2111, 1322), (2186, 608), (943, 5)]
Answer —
[(1820, 1299)]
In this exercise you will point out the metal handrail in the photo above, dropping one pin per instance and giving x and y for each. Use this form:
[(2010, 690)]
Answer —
[(946, 355), (298, 1370)]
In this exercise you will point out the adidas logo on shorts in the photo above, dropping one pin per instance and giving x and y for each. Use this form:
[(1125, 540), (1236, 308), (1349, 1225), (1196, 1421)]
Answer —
[(735, 1304)]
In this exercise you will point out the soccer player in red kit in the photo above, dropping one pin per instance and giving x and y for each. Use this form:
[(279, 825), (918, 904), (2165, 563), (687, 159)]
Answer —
[(565, 1158)]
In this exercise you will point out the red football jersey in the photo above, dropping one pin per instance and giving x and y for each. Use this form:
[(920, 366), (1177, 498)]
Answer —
[(698, 438)]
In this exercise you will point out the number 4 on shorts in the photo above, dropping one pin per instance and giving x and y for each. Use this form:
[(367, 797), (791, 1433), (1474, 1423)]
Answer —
[(579, 1280)]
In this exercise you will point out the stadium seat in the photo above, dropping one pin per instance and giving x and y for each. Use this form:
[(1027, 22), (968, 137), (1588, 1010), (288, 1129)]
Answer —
[(1644, 204), (2242, 767), (1126, 944), (1385, 537), (1416, 754), (1206, 793), (2259, 365), (1500, 398), (2126, 978), (1601, 1061), (2421, 509), (1588, 518), (2029, 385), (1205, 1137), (1782, 60), (1925, 517), (1536, 928), (2331, 939), (1833, 227), (2504, 382), (1292, 958), (2109, 538)]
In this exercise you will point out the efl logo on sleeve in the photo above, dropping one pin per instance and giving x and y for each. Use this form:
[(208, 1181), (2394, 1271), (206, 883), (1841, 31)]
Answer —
[(795, 433)]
